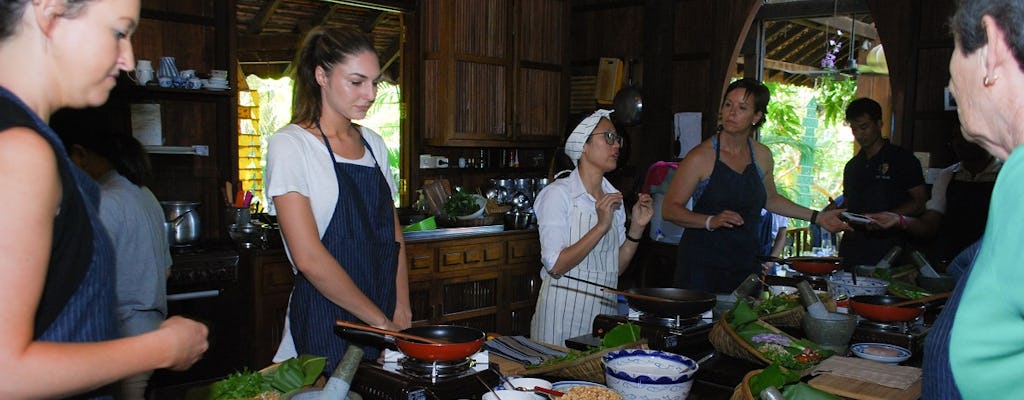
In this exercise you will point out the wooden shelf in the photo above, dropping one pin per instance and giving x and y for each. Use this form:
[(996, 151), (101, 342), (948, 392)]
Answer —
[(197, 150)]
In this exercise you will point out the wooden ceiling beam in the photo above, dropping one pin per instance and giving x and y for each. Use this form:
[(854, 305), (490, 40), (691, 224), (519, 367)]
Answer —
[(372, 21), (262, 17)]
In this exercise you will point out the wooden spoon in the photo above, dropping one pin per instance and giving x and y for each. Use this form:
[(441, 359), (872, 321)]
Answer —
[(361, 327), (921, 300)]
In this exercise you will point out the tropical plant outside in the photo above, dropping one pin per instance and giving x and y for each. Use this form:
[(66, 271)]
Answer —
[(384, 117), (808, 140)]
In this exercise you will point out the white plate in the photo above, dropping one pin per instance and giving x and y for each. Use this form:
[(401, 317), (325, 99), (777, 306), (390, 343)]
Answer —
[(881, 352)]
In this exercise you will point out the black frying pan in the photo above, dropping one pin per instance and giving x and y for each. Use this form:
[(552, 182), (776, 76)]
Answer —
[(681, 302)]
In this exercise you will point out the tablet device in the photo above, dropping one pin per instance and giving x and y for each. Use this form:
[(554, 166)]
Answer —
[(852, 217)]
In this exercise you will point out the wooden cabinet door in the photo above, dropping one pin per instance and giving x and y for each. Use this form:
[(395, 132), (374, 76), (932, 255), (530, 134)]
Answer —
[(541, 89), (480, 106)]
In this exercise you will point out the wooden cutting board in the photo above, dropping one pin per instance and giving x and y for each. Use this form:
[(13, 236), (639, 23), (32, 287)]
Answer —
[(857, 389)]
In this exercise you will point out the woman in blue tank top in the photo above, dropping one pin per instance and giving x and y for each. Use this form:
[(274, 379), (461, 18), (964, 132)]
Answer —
[(57, 297), (730, 180)]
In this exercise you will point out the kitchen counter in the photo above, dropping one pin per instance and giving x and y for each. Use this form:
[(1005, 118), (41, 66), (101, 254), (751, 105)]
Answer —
[(460, 232)]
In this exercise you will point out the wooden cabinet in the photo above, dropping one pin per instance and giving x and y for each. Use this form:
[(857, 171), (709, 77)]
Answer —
[(267, 280), (199, 35), (495, 72), (487, 282)]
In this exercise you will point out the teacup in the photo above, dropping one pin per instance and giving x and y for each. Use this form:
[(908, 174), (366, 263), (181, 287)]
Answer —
[(195, 83), (219, 74), (166, 81), (187, 74), (141, 76)]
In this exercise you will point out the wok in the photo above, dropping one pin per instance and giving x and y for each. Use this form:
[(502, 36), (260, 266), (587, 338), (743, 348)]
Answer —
[(809, 265), (461, 341), (884, 308), (674, 301)]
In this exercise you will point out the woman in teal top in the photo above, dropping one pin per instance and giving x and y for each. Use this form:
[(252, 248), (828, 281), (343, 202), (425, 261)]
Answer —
[(976, 350)]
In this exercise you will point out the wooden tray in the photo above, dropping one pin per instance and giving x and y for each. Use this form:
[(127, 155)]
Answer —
[(861, 390)]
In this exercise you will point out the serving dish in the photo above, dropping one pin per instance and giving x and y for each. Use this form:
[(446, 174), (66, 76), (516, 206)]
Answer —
[(881, 352)]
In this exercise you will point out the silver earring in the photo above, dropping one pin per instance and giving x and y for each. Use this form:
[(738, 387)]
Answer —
[(989, 82)]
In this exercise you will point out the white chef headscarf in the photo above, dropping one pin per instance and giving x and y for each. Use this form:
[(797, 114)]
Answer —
[(579, 136)]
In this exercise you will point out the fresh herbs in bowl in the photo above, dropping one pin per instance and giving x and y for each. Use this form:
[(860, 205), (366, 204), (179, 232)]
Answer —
[(461, 204)]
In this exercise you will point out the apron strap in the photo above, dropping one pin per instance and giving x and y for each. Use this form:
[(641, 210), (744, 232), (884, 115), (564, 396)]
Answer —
[(342, 175)]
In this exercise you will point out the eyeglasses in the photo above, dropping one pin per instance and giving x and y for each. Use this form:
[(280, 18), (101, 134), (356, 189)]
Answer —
[(610, 137)]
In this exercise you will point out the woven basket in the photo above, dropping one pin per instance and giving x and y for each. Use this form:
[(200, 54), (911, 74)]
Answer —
[(727, 341), (586, 368), (792, 318), (742, 391)]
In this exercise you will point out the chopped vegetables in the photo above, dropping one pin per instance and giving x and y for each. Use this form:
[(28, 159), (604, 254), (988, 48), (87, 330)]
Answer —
[(287, 376)]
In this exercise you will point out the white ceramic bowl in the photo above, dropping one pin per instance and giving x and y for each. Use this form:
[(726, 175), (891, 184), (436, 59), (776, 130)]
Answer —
[(482, 202), (526, 383), (649, 374), (776, 290), (842, 283), (508, 395)]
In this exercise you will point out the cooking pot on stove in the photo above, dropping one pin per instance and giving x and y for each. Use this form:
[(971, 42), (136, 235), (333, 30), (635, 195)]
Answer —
[(181, 221)]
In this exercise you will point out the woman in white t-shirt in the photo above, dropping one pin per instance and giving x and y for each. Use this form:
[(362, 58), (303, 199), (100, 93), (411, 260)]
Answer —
[(331, 189)]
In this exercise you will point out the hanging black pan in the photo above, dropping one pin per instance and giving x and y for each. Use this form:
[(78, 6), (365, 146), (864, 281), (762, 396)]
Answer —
[(628, 103)]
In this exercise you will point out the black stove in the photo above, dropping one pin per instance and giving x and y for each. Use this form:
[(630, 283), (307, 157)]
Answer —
[(686, 336), (412, 380), (909, 335)]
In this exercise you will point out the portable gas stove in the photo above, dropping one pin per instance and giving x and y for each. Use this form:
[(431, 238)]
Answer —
[(411, 379), (685, 336), (909, 335)]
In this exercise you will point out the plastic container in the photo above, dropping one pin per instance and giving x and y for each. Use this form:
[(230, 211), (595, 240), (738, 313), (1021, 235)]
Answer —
[(425, 224)]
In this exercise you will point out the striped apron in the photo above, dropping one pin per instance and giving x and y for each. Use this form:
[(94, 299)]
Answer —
[(361, 236), (566, 308)]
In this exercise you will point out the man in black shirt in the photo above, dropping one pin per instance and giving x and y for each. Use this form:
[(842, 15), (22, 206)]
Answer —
[(881, 177)]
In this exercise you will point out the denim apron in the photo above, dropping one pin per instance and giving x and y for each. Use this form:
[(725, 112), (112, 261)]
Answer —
[(361, 236), (717, 261), (88, 315)]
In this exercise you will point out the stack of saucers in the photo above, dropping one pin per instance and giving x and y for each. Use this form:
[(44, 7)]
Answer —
[(215, 84)]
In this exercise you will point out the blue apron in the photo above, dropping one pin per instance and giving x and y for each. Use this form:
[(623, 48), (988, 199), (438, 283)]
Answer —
[(717, 261), (88, 315), (361, 236)]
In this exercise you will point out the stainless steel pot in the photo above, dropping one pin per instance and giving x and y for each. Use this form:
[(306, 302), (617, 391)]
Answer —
[(181, 222), (516, 219)]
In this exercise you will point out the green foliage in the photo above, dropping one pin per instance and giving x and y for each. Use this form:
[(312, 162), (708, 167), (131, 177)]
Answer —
[(239, 385), (833, 97), (809, 152), (620, 335), (461, 204)]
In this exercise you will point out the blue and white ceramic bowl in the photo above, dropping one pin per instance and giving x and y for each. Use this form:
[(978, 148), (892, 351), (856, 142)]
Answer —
[(649, 374)]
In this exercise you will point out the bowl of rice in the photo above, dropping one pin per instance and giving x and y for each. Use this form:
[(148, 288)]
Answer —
[(589, 392), (639, 374)]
